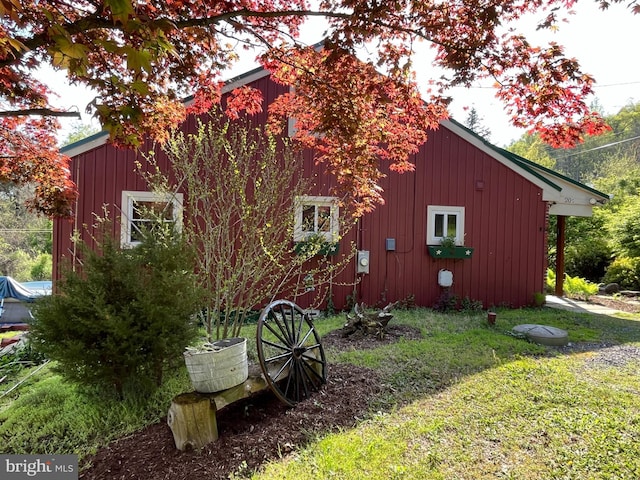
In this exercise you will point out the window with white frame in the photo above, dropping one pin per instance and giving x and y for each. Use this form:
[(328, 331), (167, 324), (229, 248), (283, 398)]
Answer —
[(316, 215), (445, 221), (141, 209)]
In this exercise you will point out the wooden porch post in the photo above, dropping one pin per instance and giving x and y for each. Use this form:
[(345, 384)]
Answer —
[(560, 240)]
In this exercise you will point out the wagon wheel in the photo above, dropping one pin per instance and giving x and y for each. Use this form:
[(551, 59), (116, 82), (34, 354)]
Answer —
[(290, 353)]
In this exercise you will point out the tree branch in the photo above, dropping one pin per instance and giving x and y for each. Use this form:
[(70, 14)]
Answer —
[(42, 112)]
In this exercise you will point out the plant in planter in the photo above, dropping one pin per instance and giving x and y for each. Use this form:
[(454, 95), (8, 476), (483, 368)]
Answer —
[(315, 244), (217, 366), (240, 186), (448, 248), (448, 242)]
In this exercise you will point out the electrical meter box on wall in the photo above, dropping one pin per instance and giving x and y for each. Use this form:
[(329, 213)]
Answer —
[(445, 278), (363, 261)]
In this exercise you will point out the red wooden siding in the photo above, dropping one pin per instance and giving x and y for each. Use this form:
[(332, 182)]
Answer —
[(504, 223), (504, 220), (102, 173)]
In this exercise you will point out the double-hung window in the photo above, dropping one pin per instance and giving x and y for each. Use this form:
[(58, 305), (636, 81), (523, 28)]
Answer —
[(445, 222), (316, 216), (140, 210)]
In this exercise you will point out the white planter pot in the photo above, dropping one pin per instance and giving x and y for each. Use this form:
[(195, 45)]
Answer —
[(221, 365)]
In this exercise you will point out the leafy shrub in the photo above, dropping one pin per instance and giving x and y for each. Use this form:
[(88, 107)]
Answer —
[(551, 281), (125, 317), (16, 264), (41, 267), (579, 287), (407, 303), (447, 302), (625, 271), (539, 298), (467, 305), (572, 286), (588, 260), (626, 230)]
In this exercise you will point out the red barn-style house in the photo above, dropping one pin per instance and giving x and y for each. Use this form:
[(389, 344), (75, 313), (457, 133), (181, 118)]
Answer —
[(493, 205)]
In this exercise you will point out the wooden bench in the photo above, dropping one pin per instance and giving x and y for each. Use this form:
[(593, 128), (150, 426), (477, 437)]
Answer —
[(289, 348)]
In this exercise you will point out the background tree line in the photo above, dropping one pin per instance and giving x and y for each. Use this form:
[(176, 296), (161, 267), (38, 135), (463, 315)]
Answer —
[(25, 236)]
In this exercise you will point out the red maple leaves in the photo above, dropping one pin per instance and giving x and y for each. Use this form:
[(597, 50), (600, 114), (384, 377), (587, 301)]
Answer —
[(143, 58), (352, 116)]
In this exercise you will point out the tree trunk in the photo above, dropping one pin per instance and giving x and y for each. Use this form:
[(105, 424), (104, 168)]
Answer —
[(367, 322)]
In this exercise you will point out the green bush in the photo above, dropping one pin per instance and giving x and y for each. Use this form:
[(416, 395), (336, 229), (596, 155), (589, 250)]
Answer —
[(579, 287), (16, 264), (625, 271), (588, 260), (572, 286), (126, 317), (41, 267), (551, 281)]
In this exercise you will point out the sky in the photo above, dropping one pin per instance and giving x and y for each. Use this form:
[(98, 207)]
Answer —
[(606, 44)]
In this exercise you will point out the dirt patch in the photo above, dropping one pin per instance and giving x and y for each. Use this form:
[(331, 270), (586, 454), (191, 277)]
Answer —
[(252, 431), (622, 303)]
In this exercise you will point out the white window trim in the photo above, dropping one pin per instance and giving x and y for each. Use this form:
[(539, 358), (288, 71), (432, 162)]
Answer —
[(432, 210), (333, 235), (129, 197)]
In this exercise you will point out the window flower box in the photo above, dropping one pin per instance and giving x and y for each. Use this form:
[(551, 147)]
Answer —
[(313, 248), (439, 251)]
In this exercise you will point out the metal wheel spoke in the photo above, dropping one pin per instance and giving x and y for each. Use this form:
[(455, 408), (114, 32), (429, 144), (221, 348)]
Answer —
[(277, 357), (299, 329), (282, 334), (305, 370), (302, 379), (307, 336), (286, 348), (313, 359), (298, 382), (288, 386), (289, 333), (311, 362), (282, 369)]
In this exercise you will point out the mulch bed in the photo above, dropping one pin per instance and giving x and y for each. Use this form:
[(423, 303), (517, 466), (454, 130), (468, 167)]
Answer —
[(252, 431), (259, 429), (624, 304)]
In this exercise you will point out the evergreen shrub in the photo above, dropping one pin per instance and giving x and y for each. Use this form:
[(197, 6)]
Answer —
[(126, 317)]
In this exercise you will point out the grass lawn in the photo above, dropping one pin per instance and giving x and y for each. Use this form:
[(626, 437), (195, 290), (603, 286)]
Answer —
[(468, 401)]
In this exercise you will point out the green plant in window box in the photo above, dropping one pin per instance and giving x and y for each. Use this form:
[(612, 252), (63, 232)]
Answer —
[(316, 244), (449, 249), (448, 242)]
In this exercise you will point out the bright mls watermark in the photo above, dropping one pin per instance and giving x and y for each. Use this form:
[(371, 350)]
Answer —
[(49, 467)]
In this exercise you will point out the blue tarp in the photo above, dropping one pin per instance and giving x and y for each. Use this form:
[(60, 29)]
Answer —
[(10, 288)]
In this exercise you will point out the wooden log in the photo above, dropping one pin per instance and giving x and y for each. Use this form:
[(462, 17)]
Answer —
[(192, 416), (368, 322), (192, 419)]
